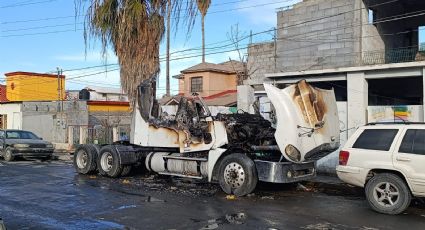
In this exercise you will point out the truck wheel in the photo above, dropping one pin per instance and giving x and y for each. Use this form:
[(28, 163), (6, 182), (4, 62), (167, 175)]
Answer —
[(387, 193), (85, 158), (8, 155), (237, 174), (109, 162), (126, 170)]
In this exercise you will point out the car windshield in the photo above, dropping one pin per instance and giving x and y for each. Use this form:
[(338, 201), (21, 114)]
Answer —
[(20, 135)]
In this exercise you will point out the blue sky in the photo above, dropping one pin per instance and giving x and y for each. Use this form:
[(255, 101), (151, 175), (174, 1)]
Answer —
[(42, 45), (61, 44)]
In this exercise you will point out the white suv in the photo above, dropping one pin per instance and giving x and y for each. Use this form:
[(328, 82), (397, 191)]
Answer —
[(388, 160)]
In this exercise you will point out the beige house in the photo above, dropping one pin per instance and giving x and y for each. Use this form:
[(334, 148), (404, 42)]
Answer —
[(208, 79)]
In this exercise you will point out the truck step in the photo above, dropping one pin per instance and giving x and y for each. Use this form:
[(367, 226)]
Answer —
[(186, 158), (180, 175)]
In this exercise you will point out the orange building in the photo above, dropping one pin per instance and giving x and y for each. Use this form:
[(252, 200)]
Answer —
[(216, 83), (27, 86)]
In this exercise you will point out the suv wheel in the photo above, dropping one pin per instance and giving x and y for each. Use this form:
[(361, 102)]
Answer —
[(387, 193)]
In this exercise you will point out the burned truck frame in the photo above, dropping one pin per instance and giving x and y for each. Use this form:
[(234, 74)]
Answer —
[(236, 150)]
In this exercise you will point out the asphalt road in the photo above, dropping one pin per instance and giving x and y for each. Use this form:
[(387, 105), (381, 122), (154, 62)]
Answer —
[(50, 195)]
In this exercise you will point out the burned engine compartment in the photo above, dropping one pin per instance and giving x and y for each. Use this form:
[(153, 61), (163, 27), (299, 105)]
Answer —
[(245, 130)]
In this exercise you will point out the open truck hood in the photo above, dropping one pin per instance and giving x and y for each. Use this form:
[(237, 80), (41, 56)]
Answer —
[(307, 123)]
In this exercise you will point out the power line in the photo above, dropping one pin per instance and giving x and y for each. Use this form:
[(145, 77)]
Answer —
[(81, 16), (26, 4), (42, 27), (213, 12), (254, 34)]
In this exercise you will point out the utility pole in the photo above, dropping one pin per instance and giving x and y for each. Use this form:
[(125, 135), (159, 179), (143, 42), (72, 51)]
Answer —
[(59, 88), (167, 74)]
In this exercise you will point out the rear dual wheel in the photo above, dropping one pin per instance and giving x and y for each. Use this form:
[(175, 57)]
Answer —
[(85, 158), (109, 163)]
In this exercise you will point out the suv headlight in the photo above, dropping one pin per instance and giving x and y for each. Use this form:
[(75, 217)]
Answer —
[(293, 153), (49, 146), (21, 145)]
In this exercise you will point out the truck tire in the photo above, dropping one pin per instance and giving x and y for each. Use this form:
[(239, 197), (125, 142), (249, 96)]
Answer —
[(85, 158), (388, 193), (8, 155), (126, 170), (108, 162), (237, 174)]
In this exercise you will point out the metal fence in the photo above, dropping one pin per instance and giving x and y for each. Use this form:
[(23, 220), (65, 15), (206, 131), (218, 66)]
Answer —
[(393, 56), (98, 134)]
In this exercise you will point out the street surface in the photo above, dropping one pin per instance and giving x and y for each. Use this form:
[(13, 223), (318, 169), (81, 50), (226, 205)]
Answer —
[(50, 195)]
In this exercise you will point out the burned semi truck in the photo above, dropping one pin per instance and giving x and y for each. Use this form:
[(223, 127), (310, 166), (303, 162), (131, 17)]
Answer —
[(235, 150)]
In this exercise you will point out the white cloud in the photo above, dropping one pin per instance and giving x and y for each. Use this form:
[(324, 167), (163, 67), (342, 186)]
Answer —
[(92, 56), (100, 77)]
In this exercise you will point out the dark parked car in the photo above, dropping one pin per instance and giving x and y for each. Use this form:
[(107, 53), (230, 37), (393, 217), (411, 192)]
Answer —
[(19, 143)]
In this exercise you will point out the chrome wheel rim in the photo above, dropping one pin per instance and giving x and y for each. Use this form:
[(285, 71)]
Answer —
[(234, 175), (106, 161), (82, 158), (386, 194)]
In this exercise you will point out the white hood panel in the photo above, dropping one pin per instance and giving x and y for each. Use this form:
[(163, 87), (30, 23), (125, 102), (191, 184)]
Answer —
[(307, 118)]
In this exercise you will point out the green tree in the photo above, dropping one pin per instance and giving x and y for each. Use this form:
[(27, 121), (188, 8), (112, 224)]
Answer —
[(203, 6), (134, 30)]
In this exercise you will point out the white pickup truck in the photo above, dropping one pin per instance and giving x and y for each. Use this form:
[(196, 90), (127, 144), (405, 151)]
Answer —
[(237, 150)]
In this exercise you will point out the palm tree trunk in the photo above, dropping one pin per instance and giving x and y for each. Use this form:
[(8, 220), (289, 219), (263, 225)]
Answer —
[(167, 71), (203, 39)]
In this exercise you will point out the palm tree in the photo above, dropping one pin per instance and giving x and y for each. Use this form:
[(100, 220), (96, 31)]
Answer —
[(203, 6), (134, 30)]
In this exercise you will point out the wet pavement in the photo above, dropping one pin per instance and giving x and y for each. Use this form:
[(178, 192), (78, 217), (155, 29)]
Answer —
[(50, 195)]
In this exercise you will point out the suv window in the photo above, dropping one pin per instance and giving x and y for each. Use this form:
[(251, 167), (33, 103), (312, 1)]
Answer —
[(376, 139), (413, 142)]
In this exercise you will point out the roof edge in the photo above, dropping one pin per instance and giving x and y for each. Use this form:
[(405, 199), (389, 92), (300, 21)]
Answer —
[(31, 74)]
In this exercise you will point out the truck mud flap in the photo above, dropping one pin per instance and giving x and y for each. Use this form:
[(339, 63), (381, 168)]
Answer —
[(284, 172)]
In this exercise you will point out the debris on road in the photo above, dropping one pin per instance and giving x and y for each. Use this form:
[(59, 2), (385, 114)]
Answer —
[(230, 197)]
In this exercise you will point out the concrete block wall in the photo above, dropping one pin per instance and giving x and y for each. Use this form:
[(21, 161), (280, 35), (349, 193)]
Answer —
[(329, 38), (261, 60), (46, 120)]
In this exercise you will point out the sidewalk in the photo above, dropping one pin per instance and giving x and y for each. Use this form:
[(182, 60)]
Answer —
[(63, 155)]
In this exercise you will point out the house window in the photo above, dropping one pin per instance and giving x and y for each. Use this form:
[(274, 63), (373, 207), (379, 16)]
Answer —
[(196, 84)]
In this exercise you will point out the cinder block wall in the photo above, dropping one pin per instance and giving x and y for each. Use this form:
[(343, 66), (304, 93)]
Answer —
[(319, 34), (261, 60)]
